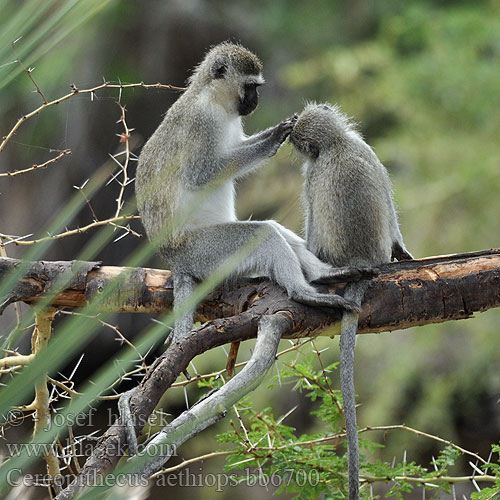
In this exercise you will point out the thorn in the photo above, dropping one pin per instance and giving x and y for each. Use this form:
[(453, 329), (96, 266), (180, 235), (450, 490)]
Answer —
[(287, 414), (120, 237), (476, 469), (194, 368), (476, 485)]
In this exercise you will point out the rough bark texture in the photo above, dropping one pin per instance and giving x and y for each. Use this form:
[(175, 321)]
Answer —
[(405, 294)]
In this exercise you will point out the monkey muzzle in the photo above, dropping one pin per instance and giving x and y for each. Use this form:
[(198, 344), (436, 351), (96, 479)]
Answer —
[(249, 101)]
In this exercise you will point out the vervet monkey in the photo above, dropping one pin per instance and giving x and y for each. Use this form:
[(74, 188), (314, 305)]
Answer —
[(350, 220), (187, 170)]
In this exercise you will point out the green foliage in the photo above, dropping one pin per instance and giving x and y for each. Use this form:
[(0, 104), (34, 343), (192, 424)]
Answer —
[(311, 465), (428, 77), (492, 492)]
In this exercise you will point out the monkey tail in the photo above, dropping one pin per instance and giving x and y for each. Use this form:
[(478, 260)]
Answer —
[(184, 316), (349, 327)]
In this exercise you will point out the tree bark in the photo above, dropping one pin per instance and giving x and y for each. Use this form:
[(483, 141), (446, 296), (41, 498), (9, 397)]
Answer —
[(405, 294)]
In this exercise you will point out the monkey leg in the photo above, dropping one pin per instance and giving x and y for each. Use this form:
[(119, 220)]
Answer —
[(317, 271), (265, 252)]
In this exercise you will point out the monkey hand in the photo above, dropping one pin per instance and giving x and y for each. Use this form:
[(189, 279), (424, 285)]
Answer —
[(281, 131)]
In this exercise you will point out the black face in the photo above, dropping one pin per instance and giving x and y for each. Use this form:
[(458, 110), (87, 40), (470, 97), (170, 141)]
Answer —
[(250, 99)]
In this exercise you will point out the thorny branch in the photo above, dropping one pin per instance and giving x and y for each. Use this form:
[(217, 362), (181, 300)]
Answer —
[(265, 450), (36, 166), (16, 240), (29, 72), (124, 138), (76, 91)]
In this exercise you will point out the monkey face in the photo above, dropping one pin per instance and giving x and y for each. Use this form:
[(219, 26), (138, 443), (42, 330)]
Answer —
[(250, 99)]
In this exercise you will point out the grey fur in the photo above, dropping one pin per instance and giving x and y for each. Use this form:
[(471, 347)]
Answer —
[(350, 221), (185, 186)]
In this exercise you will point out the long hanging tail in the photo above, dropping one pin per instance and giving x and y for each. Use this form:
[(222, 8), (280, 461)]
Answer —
[(183, 287), (349, 327)]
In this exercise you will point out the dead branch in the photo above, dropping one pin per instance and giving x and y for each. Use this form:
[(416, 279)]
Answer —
[(17, 240), (76, 91), (405, 294), (36, 166)]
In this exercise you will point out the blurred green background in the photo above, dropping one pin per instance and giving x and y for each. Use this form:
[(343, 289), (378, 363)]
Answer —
[(422, 78)]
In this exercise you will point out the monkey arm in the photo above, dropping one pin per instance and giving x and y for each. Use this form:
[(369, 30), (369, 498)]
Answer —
[(252, 151), (259, 136), (236, 163), (247, 157), (203, 167)]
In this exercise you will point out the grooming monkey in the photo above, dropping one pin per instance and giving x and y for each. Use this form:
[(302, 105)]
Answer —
[(187, 171), (350, 220)]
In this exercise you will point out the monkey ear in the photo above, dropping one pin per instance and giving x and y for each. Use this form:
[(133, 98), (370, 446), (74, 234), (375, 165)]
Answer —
[(219, 68), (313, 150)]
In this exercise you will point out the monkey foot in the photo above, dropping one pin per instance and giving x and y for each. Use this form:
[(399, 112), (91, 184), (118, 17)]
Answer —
[(326, 300), (343, 274)]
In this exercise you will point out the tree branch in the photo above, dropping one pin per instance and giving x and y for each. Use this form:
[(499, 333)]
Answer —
[(405, 294)]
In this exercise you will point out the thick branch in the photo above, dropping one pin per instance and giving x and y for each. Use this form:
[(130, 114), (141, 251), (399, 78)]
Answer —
[(215, 406), (406, 293)]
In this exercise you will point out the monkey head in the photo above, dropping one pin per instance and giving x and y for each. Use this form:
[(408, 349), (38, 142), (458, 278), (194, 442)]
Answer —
[(319, 127), (231, 74)]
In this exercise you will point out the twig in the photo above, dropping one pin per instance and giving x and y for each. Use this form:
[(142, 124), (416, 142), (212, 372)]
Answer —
[(330, 390), (75, 91), (425, 434), (36, 166), (426, 480), (124, 138), (29, 71), (192, 461), (97, 223), (80, 189)]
